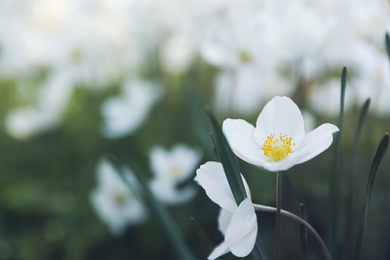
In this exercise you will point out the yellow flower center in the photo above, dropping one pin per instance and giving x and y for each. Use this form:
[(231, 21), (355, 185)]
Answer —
[(121, 198), (277, 149), (175, 172)]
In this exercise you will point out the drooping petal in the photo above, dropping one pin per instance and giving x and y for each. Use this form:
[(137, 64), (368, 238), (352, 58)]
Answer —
[(280, 116), (242, 231), (315, 142), (212, 178), (221, 249), (239, 134), (224, 218)]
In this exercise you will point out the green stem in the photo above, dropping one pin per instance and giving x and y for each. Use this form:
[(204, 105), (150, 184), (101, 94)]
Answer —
[(301, 221), (278, 209)]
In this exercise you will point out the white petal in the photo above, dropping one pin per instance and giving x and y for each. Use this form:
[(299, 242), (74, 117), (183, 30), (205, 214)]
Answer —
[(221, 249), (187, 159), (158, 161), (239, 134), (224, 219), (168, 193), (280, 116), (242, 231), (315, 142), (212, 178), (282, 165)]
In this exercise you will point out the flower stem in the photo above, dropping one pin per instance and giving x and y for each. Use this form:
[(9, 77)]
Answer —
[(278, 210), (301, 221)]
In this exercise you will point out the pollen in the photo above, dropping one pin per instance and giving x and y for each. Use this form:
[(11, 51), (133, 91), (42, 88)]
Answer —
[(277, 149)]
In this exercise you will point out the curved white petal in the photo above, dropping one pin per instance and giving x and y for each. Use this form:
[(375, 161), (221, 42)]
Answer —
[(242, 231), (224, 218), (211, 177), (159, 163), (239, 134), (281, 165), (221, 249), (280, 116), (315, 142)]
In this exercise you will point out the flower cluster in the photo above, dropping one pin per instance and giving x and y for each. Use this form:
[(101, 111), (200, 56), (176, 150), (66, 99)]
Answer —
[(280, 116), (241, 38)]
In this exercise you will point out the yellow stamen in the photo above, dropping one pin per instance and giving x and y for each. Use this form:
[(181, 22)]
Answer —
[(277, 149)]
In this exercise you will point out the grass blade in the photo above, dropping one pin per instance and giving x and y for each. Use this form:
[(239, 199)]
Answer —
[(351, 181), (336, 175), (201, 234), (388, 44), (163, 219), (303, 233), (370, 183)]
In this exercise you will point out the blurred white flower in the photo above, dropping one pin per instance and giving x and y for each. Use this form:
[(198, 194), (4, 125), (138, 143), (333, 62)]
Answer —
[(124, 115), (242, 91), (279, 140), (177, 53), (52, 99), (309, 120), (116, 205), (171, 168), (237, 223), (325, 99)]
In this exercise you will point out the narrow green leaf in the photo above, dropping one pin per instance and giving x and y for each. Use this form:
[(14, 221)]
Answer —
[(336, 173), (349, 222), (215, 150), (388, 44), (303, 233), (201, 234), (163, 219), (343, 87), (370, 183), (259, 250), (362, 119), (228, 160)]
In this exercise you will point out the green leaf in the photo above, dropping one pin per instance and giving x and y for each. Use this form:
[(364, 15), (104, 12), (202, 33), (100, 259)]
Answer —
[(370, 183), (349, 222), (388, 44), (163, 219), (362, 119), (303, 233), (259, 250), (201, 234), (336, 173), (228, 160)]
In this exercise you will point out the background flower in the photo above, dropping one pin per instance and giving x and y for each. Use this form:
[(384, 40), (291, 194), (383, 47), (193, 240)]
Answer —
[(116, 205), (172, 168), (125, 114)]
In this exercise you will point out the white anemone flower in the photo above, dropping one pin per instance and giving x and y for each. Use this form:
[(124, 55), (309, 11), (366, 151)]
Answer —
[(116, 205), (278, 142), (46, 115), (237, 223), (125, 114), (171, 168)]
